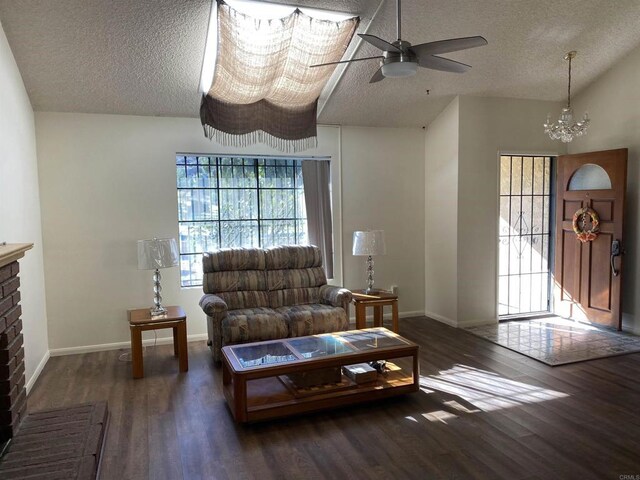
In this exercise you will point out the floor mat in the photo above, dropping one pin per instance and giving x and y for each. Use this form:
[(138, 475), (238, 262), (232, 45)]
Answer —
[(557, 341)]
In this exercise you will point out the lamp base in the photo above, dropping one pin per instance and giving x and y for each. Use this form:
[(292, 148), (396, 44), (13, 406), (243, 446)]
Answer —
[(157, 311)]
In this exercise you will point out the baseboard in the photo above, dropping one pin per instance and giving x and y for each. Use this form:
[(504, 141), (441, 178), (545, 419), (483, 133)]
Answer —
[(629, 325), (442, 319), (38, 371), (477, 323), (57, 352), (387, 316)]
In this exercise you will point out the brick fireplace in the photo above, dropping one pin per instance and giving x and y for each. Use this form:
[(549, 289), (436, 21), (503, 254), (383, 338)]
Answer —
[(13, 394), (30, 444)]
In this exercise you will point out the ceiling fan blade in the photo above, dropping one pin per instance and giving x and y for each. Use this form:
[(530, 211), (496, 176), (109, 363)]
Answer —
[(345, 61), (446, 46), (377, 76), (442, 64), (379, 43)]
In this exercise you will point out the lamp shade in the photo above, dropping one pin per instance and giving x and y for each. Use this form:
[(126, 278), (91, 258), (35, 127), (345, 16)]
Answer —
[(157, 253), (369, 243)]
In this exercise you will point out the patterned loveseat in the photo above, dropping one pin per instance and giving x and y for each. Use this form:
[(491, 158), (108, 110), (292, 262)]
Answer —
[(253, 294)]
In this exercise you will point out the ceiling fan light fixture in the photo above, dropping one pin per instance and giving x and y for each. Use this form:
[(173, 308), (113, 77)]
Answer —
[(399, 69)]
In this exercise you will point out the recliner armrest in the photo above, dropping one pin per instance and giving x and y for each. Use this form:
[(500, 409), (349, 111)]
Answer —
[(212, 304), (336, 296)]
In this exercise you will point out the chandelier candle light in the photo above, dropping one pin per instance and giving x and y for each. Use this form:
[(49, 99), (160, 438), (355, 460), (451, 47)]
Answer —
[(153, 255), (368, 244), (565, 129)]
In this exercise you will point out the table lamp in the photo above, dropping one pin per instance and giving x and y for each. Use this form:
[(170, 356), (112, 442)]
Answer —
[(369, 243), (153, 255)]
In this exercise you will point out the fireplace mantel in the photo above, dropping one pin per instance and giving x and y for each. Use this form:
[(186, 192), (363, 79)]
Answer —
[(10, 252)]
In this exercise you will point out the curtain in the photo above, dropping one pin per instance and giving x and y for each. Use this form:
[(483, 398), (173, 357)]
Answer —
[(316, 175), (263, 89)]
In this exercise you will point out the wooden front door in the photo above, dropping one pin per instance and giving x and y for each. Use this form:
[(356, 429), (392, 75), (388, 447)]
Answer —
[(587, 278)]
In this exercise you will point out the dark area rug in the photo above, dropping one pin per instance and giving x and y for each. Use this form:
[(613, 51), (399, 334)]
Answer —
[(64, 443), (558, 341)]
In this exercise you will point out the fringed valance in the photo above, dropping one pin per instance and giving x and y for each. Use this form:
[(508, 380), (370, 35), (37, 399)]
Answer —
[(263, 89)]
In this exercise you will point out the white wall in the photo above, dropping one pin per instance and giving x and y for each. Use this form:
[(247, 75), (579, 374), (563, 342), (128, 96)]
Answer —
[(465, 177), (613, 103), (441, 216), (109, 180), (489, 126), (383, 189), (20, 205)]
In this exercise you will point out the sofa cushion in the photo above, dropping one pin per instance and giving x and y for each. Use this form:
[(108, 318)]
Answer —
[(252, 325), (234, 269), (234, 280), (294, 286), (249, 299), (292, 256), (314, 318), (295, 278), (294, 296), (233, 259)]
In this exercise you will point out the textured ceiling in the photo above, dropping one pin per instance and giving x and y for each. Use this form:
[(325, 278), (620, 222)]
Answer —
[(143, 57)]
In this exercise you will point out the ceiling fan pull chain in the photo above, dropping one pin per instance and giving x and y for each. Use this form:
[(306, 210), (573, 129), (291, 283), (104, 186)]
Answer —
[(398, 19)]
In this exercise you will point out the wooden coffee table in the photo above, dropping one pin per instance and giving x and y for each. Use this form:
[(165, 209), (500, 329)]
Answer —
[(259, 378)]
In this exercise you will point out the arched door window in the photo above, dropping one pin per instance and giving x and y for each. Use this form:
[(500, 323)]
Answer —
[(590, 177)]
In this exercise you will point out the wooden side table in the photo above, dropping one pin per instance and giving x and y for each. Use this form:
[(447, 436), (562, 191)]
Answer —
[(140, 320), (377, 300)]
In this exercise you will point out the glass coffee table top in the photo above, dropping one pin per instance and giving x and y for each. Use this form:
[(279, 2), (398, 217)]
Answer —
[(320, 346), (372, 339), (263, 354), (315, 346)]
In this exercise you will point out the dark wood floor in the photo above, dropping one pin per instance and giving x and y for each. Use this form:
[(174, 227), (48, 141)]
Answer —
[(484, 412)]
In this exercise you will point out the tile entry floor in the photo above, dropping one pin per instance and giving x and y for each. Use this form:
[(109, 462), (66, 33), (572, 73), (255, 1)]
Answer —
[(558, 341)]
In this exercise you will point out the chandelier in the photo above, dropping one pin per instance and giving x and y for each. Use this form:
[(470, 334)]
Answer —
[(565, 128)]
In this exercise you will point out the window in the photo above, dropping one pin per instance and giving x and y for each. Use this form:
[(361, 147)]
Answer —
[(234, 201), (526, 204), (590, 177)]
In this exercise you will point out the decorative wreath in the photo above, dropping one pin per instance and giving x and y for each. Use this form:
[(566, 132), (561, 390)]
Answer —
[(579, 224)]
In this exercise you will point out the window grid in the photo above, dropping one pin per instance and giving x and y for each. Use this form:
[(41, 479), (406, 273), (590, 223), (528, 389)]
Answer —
[(524, 275), (226, 201)]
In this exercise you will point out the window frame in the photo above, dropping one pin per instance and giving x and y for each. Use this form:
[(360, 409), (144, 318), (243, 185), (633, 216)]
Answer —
[(230, 160)]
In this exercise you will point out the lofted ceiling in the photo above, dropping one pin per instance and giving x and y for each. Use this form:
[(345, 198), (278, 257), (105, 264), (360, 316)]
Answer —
[(143, 57)]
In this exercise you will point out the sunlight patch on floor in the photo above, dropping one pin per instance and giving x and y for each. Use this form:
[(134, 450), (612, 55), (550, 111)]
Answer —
[(481, 390), (439, 416), (564, 324)]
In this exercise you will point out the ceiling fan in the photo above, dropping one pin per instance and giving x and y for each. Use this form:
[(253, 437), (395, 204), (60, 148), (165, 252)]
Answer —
[(401, 59)]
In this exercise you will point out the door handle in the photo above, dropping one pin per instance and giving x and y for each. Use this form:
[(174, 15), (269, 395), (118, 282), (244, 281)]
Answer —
[(615, 252)]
